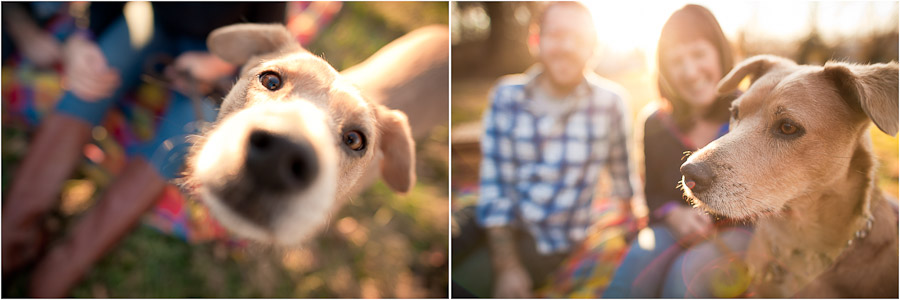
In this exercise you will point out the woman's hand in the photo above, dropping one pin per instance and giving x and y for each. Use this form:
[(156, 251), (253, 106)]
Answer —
[(195, 72), (689, 225), (87, 73), (41, 48), (32, 41)]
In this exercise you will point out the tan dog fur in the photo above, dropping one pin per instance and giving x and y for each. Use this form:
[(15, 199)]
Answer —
[(315, 104), (808, 192)]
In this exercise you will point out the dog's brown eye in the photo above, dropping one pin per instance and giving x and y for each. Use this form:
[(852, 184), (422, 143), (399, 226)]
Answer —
[(788, 128), (355, 140), (270, 80)]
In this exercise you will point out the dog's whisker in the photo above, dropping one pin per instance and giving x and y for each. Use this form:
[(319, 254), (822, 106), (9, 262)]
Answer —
[(686, 154)]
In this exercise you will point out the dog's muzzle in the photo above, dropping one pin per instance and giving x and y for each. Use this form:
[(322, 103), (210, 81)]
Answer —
[(277, 164), (268, 171)]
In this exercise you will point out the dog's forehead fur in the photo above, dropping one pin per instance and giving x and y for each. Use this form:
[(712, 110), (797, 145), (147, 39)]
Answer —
[(304, 72), (310, 78), (801, 93)]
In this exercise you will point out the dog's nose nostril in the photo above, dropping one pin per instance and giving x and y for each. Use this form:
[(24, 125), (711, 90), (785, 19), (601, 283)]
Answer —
[(276, 163), (297, 168), (260, 139), (697, 176), (302, 167)]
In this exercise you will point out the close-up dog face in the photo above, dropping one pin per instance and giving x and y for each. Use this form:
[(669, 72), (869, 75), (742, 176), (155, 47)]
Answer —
[(792, 133), (291, 140)]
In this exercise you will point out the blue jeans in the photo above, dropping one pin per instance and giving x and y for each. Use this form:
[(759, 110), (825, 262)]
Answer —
[(167, 149), (657, 266)]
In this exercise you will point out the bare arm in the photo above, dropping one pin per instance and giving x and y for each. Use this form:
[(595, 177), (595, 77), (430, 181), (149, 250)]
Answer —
[(32, 41), (15, 18), (511, 280), (503, 248)]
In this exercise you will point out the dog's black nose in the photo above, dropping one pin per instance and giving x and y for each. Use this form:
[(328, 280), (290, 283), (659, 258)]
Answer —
[(697, 176), (278, 164)]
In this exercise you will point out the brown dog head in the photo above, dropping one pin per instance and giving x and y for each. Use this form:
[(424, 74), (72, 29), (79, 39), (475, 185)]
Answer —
[(291, 140), (793, 133)]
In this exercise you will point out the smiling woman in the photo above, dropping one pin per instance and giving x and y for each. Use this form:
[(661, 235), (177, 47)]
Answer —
[(693, 55)]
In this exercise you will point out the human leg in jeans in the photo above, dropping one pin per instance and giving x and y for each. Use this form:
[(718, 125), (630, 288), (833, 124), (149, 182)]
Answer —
[(131, 194), (708, 269), (56, 149), (662, 268), (151, 164), (642, 271)]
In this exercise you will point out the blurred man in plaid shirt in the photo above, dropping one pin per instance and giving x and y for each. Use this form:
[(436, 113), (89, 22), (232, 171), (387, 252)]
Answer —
[(547, 135)]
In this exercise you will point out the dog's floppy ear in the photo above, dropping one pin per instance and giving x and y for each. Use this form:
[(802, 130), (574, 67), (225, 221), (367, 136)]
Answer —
[(238, 43), (756, 66), (399, 165), (870, 88)]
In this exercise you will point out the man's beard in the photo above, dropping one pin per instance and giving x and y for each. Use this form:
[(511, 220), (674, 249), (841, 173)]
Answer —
[(571, 64)]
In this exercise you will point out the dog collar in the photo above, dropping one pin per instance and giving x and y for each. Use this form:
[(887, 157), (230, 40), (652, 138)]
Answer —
[(862, 233), (774, 272)]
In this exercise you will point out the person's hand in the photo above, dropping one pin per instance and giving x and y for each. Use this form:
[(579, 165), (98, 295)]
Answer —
[(626, 210), (512, 282), (195, 72), (87, 73), (625, 207), (689, 225), (32, 41), (41, 48)]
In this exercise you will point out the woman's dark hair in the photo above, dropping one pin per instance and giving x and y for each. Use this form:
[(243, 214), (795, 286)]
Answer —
[(687, 24)]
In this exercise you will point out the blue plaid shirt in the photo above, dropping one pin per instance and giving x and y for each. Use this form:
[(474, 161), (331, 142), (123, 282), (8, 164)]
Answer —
[(541, 158)]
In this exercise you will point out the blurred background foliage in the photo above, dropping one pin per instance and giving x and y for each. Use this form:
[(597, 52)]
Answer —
[(380, 244), (489, 40)]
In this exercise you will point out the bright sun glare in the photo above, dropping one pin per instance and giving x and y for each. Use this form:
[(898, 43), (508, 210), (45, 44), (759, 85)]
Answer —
[(624, 26)]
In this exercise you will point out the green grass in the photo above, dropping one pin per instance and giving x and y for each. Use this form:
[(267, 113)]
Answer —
[(344, 46)]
